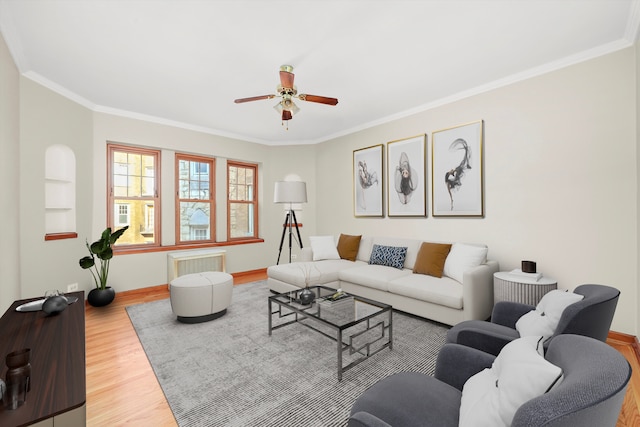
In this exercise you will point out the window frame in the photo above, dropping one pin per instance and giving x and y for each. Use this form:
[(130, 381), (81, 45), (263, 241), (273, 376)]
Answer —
[(211, 161), (112, 148), (254, 201)]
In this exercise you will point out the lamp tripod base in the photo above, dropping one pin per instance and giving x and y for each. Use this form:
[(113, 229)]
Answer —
[(290, 222)]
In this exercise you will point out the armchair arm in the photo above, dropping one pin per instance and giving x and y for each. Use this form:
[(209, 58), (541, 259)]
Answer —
[(365, 419), (486, 340), (507, 313), (457, 363)]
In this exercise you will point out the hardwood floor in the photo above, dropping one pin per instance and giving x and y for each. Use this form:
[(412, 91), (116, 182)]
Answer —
[(123, 390)]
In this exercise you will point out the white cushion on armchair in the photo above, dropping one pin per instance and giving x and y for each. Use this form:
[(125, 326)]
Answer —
[(546, 316), (519, 373)]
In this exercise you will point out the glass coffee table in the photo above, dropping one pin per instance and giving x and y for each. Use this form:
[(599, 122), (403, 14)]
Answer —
[(361, 327)]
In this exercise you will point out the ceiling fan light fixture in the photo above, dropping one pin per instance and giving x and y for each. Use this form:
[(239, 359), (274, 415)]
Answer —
[(286, 90), (286, 104)]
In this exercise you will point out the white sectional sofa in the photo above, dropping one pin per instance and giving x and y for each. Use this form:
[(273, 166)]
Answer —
[(464, 292)]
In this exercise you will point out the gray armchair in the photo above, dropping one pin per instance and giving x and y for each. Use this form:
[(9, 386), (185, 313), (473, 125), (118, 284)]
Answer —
[(590, 317), (591, 393)]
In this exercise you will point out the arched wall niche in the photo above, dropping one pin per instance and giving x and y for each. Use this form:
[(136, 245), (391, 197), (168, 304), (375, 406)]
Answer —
[(60, 193)]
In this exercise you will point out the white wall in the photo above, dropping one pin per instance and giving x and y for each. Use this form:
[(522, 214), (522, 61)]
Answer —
[(9, 196), (47, 118), (560, 172)]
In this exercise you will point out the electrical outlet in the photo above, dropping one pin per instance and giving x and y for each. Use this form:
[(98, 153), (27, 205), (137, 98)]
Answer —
[(72, 287), (294, 257)]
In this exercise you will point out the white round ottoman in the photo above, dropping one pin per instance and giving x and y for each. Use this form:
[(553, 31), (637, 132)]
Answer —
[(200, 297)]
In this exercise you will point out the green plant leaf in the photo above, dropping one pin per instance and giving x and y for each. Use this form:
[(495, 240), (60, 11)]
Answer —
[(96, 247), (116, 234), (106, 254), (106, 234), (87, 262)]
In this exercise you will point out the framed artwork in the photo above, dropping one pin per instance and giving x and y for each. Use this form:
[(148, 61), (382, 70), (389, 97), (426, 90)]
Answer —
[(367, 181), (406, 172), (456, 171)]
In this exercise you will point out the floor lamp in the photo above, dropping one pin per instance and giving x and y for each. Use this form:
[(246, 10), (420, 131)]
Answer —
[(290, 192)]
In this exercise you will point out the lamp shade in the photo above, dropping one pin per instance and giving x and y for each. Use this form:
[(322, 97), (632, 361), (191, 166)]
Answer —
[(290, 192)]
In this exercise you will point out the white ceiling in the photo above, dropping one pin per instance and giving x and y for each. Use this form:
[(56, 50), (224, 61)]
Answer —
[(184, 62)]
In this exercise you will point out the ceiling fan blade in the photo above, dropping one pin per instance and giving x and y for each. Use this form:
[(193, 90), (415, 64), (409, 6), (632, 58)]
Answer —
[(286, 79), (253, 98), (319, 99), (286, 115)]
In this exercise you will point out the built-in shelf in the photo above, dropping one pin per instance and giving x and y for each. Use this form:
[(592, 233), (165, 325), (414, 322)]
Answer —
[(60, 193)]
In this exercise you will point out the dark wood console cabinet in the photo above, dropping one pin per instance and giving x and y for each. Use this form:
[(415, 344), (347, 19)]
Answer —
[(58, 374)]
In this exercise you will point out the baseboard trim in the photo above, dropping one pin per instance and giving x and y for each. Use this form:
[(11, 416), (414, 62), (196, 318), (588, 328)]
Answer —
[(249, 273), (147, 290), (626, 339), (622, 337)]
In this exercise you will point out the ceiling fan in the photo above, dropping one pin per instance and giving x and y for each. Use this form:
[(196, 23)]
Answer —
[(287, 91)]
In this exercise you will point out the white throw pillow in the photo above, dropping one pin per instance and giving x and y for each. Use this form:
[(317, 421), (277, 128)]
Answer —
[(323, 247), (546, 316), (461, 258), (519, 373)]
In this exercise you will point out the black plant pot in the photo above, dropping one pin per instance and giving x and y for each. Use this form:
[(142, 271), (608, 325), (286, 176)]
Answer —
[(101, 297)]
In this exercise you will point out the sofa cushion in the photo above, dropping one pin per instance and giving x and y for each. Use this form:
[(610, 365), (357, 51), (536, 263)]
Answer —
[(372, 276), (319, 271), (546, 316), (390, 256), (412, 245), (431, 258), (323, 247), (443, 291), (518, 374), (462, 257), (364, 251), (348, 246)]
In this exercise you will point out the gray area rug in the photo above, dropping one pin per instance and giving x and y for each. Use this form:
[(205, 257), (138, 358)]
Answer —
[(230, 372)]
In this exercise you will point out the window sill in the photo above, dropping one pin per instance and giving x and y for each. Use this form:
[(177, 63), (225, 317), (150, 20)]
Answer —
[(143, 250), (60, 236)]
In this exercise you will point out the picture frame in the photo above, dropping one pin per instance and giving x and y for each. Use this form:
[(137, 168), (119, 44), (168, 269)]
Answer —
[(406, 177), (457, 181), (368, 198)]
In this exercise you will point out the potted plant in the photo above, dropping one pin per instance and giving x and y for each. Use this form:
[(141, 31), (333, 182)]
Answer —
[(102, 294)]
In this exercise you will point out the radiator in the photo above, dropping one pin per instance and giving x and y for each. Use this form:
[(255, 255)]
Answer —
[(198, 261)]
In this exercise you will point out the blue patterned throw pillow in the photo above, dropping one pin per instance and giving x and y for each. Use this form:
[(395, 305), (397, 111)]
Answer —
[(391, 256)]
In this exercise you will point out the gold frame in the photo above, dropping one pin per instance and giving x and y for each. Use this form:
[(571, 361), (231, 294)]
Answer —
[(368, 180), (457, 158), (407, 195)]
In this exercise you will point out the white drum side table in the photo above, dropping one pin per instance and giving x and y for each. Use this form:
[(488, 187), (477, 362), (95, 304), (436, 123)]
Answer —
[(522, 288)]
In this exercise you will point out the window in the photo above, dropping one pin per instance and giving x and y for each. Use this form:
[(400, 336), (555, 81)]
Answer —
[(242, 203), (195, 207), (133, 194)]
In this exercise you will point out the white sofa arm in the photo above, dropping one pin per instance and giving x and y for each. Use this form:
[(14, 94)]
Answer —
[(477, 291), (306, 254)]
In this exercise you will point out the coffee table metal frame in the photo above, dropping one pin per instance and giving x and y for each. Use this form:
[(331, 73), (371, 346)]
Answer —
[(313, 311)]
